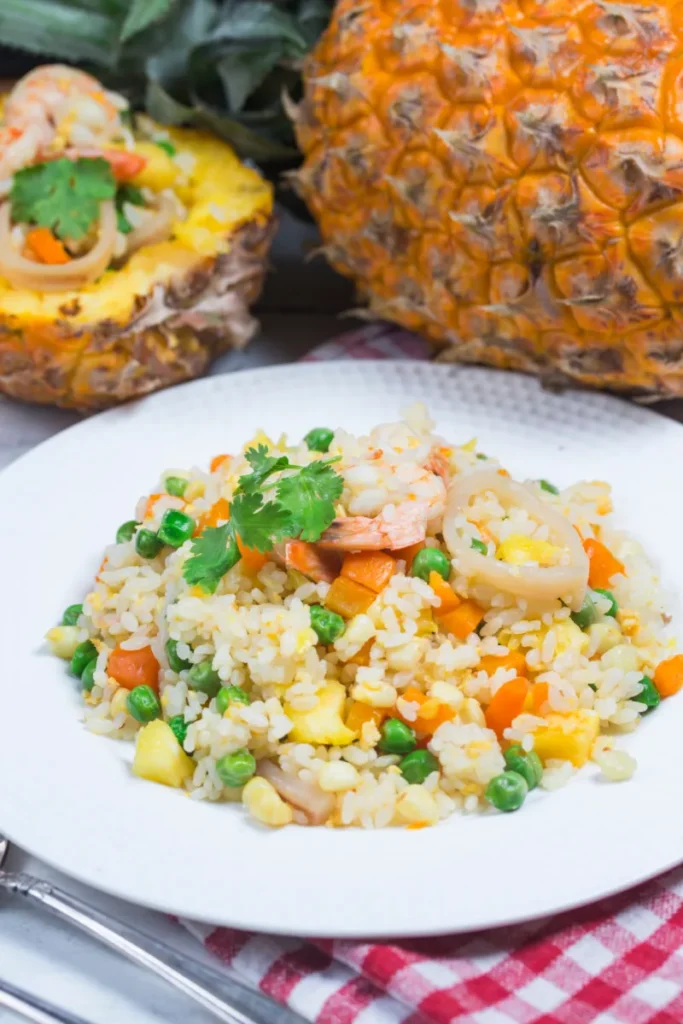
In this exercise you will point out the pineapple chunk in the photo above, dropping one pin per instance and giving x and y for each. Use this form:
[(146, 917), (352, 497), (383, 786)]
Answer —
[(160, 171), (159, 757), (518, 550), (323, 723), (567, 737)]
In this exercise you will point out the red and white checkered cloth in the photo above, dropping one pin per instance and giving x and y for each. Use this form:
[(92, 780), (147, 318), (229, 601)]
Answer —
[(617, 962)]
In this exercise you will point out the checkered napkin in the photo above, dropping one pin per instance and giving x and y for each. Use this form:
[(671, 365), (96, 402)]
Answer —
[(617, 962)]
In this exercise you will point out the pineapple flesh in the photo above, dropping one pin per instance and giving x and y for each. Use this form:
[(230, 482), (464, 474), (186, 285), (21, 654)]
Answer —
[(163, 316), (507, 178)]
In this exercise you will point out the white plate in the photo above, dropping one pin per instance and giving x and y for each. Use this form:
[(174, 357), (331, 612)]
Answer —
[(68, 796)]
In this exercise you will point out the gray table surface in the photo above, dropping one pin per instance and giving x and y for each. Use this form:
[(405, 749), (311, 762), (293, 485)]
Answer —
[(36, 952)]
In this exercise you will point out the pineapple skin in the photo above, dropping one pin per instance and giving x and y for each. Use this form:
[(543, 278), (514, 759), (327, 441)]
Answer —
[(163, 317), (506, 177)]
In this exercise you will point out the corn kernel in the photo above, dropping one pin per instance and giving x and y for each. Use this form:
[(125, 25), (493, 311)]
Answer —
[(568, 636), (416, 805), (119, 702), (195, 489), (265, 804), (63, 640), (337, 776)]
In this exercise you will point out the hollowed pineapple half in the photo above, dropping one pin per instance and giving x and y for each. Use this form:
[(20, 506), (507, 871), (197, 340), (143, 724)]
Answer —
[(165, 314), (506, 177)]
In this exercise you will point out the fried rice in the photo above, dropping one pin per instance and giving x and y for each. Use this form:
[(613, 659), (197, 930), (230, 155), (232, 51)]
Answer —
[(438, 683)]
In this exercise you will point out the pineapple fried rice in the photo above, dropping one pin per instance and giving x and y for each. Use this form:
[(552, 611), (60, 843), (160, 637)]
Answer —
[(370, 631)]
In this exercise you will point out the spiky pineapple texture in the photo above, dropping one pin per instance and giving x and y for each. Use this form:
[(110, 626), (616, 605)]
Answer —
[(506, 176)]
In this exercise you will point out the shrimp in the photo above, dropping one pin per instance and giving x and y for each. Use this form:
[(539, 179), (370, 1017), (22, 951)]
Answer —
[(52, 108), (397, 526), (405, 496)]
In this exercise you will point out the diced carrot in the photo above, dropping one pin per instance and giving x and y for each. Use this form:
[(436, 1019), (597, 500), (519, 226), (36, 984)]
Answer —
[(217, 461), (463, 620), (46, 248), (513, 659), (373, 569), (506, 703), (431, 713), (151, 502), (668, 677), (602, 565), (348, 598), (134, 668), (252, 560), (503, 472), (362, 658), (444, 591), (360, 713), (218, 513), (536, 698), (407, 555), (125, 165), (312, 561)]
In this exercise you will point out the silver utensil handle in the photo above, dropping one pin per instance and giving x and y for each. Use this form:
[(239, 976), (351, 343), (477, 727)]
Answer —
[(33, 1008), (242, 1005)]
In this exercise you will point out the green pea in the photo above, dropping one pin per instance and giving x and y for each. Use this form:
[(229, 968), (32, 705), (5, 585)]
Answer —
[(143, 704), (547, 486), (319, 439), (482, 457), (236, 769), (84, 653), (430, 560), (327, 625), (479, 546), (613, 606), (418, 766), (126, 530), (230, 695), (586, 615), (176, 528), (72, 614), (649, 695), (147, 544), (167, 147), (176, 485), (175, 662), (202, 677), (525, 763), (178, 727), (88, 675), (397, 737), (507, 791)]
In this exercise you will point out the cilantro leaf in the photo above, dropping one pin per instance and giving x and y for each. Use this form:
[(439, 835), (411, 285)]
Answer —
[(309, 497), (262, 465), (63, 195), (213, 554), (259, 525)]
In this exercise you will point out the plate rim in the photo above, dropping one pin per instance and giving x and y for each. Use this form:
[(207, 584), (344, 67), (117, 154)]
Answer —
[(230, 380)]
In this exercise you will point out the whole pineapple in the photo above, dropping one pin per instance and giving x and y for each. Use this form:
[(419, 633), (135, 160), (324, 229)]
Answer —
[(507, 178)]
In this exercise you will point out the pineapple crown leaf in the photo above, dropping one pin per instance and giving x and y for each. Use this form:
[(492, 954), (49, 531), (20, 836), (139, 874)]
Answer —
[(223, 65)]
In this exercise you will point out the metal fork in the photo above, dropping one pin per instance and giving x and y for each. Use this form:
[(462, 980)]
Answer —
[(241, 1004), (33, 1008)]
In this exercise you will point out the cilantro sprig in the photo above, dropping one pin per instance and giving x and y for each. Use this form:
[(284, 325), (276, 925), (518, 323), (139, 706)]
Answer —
[(214, 553), (63, 195), (303, 507)]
